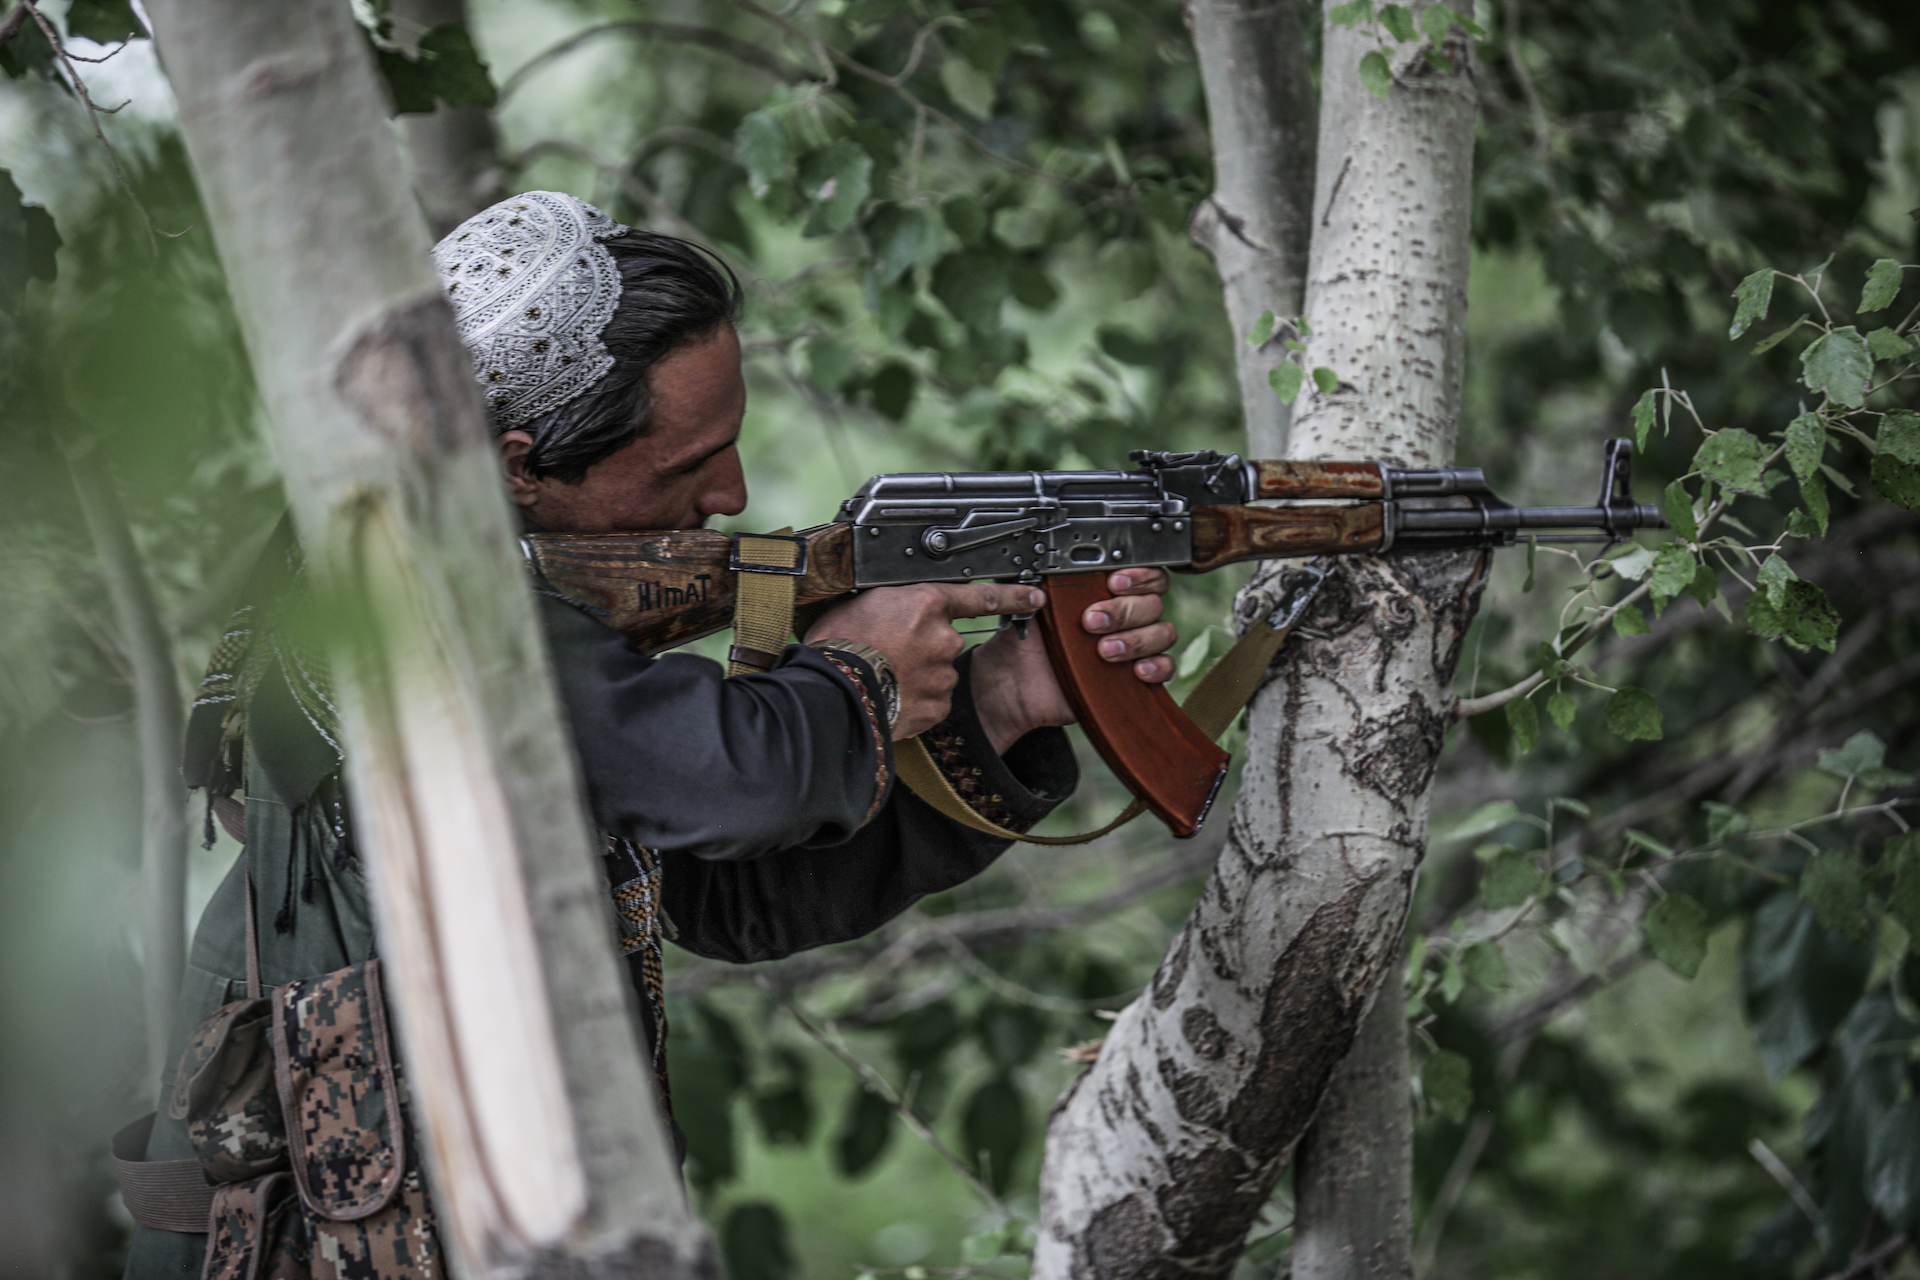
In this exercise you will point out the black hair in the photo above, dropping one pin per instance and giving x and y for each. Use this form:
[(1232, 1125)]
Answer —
[(672, 292)]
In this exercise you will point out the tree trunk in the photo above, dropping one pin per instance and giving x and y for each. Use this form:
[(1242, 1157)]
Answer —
[(455, 151), (544, 1143), (1161, 1156), (159, 723), (1256, 224)]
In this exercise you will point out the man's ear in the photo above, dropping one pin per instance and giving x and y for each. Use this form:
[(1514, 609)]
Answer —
[(521, 487)]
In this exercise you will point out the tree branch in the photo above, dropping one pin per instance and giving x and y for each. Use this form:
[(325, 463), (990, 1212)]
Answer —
[(718, 41)]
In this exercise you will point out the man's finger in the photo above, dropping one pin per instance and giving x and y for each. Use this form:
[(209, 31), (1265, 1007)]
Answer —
[(1121, 613), (1141, 642), (980, 599), (1142, 581)]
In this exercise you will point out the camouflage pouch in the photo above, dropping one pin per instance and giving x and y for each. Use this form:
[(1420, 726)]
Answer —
[(224, 1091), (397, 1243), (254, 1232), (338, 1092)]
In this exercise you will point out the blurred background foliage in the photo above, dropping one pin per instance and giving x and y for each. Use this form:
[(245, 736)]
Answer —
[(963, 231)]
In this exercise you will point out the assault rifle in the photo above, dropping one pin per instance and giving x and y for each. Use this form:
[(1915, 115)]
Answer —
[(1188, 512)]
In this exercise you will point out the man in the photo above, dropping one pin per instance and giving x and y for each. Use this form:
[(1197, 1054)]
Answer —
[(746, 818)]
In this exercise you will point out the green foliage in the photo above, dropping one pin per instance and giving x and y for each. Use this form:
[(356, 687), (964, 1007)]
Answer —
[(1508, 879), (1751, 300), (1838, 364), (1834, 884), (444, 66), (1676, 933), (1803, 618), (1883, 283), (1801, 980), (1446, 1080), (753, 1239), (28, 242), (1734, 460), (104, 21), (1523, 718), (996, 1130), (1632, 713)]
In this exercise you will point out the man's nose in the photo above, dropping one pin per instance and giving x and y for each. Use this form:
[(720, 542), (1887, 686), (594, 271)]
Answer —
[(727, 496)]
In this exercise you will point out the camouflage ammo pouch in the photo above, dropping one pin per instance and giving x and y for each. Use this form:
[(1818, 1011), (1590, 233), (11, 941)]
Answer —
[(293, 1104)]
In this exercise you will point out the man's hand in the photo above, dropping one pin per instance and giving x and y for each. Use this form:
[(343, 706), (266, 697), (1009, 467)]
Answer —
[(913, 627), (1013, 683)]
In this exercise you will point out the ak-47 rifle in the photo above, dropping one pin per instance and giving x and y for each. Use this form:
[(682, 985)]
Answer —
[(1188, 512)]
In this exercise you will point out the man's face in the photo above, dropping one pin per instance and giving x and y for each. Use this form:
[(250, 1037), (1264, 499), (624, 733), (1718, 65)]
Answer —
[(677, 475)]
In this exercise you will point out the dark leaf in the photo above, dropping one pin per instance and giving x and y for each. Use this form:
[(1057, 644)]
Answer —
[(864, 1133), (460, 78), (1805, 620), (838, 178), (1672, 572), (1011, 1034), (1806, 441), (1885, 344), (891, 389), (754, 1241), (1834, 884), (1509, 878), (1751, 300), (1032, 288), (1677, 504), (965, 218), (1883, 283), (1524, 719), (27, 52), (1485, 965), (1732, 459), (760, 145), (1676, 932), (1903, 900), (1800, 980), (1897, 481), (1126, 347), (994, 1127), (409, 86), (1899, 436), (972, 285), (1893, 1165), (103, 21), (1643, 417), (785, 1114)]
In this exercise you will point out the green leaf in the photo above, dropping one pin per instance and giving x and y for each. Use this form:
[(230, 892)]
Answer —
[(1776, 577), (1446, 1080), (785, 1114), (28, 51), (970, 88), (1676, 933), (1438, 61), (1673, 571), (1903, 901), (409, 86), (1863, 757), (965, 218), (1629, 621), (902, 238), (1724, 822), (984, 43), (1533, 545), (1834, 884), (1885, 344), (994, 1126), (1643, 415), (103, 21), (1128, 348), (1509, 878), (459, 77), (1677, 505), (1883, 282), (1897, 481), (890, 389), (1485, 965), (1524, 719), (1732, 459), (1453, 980), (838, 178), (1351, 14), (1326, 380), (1488, 817), (1434, 21), (1375, 75), (1633, 562), (1805, 620), (1777, 337), (1837, 364), (1286, 379), (972, 285), (1548, 661), (1011, 1034), (760, 147), (1633, 714), (1751, 300), (753, 1239), (1899, 435), (1398, 20), (1560, 709), (864, 1133), (1705, 585), (1806, 441), (1801, 980), (1262, 330), (1893, 1164), (1813, 497)]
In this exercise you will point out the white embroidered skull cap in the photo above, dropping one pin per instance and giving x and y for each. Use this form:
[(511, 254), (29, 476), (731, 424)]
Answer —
[(532, 287)]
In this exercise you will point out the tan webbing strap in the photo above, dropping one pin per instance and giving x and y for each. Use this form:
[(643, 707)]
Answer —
[(167, 1195), (766, 569), (1220, 696)]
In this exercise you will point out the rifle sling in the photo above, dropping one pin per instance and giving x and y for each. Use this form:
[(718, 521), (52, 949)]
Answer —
[(1220, 696), (766, 569)]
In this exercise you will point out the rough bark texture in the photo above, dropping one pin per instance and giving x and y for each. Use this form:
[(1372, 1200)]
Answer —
[(1256, 224), (159, 722), (1160, 1157), (546, 1151), (455, 151), (1387, 296)]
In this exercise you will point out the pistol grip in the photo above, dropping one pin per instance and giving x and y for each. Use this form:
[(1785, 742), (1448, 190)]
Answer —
[(1138, 729)]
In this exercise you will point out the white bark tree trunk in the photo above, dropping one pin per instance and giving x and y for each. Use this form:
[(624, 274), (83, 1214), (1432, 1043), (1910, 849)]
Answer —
[(159, 718), (1257, 222), (1163, 1153), (544, 1142)]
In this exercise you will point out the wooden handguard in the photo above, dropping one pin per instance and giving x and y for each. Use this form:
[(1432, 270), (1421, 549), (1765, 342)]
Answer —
[(1318, 480), (1223, 535), (1138, 729)]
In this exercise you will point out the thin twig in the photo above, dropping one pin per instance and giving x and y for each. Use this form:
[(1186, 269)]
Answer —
[(877, 1084), (1890, 1249), (10, 25), (718, 41)]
